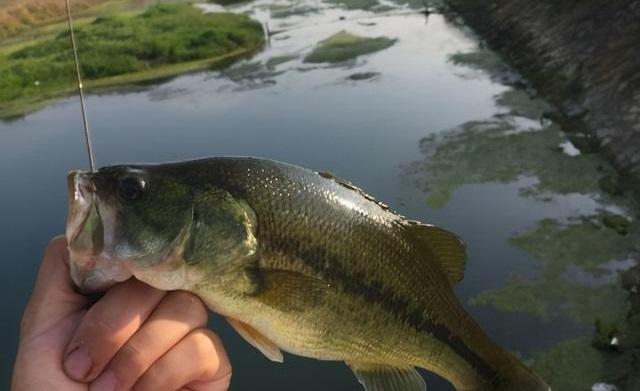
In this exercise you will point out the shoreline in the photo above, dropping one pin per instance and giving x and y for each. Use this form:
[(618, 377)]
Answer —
[(20, 108)]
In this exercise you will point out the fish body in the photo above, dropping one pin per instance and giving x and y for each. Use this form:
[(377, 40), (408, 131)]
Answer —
[(296, 260)]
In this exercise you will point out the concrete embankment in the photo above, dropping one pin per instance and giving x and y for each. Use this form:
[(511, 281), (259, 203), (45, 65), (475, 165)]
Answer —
[(583, 56)]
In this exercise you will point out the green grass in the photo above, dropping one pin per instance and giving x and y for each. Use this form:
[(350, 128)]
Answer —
[(345, 46), (165, 40)]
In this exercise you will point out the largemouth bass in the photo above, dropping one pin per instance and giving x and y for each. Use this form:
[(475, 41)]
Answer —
[(297, 261)]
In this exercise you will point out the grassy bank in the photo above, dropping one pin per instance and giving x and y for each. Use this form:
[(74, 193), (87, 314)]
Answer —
[(165, 40)]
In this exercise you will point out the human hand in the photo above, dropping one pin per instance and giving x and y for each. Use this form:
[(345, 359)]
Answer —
[(134, 337)]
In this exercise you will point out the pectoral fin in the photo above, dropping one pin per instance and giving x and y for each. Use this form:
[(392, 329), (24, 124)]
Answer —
[(257, 340), (380, 377), (291, 291)]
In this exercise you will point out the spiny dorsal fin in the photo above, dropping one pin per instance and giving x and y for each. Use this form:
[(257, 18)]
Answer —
[(447, 248), (380, 377), (345, 183)]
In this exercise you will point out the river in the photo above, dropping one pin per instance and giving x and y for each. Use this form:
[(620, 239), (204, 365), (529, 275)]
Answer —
[(432, 126)]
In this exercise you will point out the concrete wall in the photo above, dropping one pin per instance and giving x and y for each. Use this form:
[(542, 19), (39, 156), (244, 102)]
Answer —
[(582, 55)]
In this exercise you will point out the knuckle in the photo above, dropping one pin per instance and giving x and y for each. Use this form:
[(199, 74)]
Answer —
[(101, 325), (188, 306), (130, 361), (150, 381)]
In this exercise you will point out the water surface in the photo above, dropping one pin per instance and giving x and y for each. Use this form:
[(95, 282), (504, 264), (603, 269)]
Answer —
[(404, 135)]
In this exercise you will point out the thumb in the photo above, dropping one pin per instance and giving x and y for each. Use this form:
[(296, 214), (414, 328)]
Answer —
[(54, 297)]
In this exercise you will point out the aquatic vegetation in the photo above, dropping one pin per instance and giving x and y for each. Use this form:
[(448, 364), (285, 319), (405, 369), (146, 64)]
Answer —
[(345, 46), (576, 366), (278, 60), (164, 40), (363, 76), (356, 4), (482, 59), (251, 72), (521, 103), (285, 11), (496, 150), (618, 223), (555, 292)]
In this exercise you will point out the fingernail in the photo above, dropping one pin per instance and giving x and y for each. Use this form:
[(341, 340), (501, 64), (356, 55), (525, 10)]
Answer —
[(105, 382), (77, 364)]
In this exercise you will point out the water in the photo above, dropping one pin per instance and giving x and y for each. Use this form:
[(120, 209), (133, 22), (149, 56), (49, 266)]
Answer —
[(371, 132)]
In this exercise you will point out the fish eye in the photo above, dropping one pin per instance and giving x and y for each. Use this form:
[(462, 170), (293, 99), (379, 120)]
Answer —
[(130, 188)]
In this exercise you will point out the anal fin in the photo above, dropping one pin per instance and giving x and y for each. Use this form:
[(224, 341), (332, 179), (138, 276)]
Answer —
[(257, 340), (380, 377)]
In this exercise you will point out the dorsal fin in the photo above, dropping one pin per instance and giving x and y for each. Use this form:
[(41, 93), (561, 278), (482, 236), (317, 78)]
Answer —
[(346, 184), (447, 248)]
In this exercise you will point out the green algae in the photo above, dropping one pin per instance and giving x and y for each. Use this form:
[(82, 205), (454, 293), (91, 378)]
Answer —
[(575, 365), (618, 223), (363, 76), (356, 4), (495, 150), (252, 73), (553, 293), (285, 11), (345, 46), (481, 59), (273, 62), (521, 103)]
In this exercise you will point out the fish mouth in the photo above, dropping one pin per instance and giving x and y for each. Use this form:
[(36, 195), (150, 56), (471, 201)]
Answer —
[(90, 233)]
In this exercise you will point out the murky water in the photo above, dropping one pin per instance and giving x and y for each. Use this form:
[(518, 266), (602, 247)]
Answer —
[(439, 140)]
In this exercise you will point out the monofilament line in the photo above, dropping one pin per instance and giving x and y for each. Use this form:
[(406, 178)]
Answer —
[(85, 121)]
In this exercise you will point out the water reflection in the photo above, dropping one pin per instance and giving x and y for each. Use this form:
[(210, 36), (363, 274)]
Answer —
[(579, 254)]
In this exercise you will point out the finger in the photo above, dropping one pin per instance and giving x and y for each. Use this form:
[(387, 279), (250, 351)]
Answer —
[(54, 297), (107, 326), (198, 361), (177, 315)]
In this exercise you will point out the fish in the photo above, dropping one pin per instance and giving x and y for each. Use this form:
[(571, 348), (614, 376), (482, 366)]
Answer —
[(297, 261)]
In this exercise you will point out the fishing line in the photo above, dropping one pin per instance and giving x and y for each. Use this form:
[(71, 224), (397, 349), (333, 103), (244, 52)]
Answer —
[(85, 120)]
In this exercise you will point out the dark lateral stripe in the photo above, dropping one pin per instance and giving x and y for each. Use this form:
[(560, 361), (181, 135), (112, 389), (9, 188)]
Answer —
[(316, 258)]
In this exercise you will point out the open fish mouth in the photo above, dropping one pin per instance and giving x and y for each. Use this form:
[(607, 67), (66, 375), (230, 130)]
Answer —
[(90, 233)]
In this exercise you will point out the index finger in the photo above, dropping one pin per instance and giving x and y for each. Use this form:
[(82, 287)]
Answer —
[(54, 297)]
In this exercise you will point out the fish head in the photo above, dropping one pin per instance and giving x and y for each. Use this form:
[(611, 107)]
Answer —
[(121, 220)]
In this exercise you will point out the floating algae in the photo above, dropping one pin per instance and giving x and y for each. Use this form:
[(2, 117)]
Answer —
[(356, 4), (345, 46), (576, 366), (554, 293), (494, 150), (363, 76)]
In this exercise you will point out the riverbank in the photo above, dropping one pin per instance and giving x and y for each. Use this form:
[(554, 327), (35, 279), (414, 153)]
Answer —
[(583, 57), (163, 41)]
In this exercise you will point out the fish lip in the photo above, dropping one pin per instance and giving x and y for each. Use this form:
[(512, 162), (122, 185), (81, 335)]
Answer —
[(81, 199)]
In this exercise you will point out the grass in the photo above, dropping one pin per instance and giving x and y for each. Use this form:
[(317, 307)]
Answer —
[(345, 46), (165, 40), (16, 16)]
